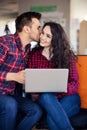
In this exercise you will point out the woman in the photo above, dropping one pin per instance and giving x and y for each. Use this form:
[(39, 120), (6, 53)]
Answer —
[(55, 52)]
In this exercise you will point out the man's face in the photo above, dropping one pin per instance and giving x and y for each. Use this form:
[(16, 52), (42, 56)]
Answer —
[(35, 30)]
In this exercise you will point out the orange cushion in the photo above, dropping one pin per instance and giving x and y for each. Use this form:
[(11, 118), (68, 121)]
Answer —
[(82, 70)]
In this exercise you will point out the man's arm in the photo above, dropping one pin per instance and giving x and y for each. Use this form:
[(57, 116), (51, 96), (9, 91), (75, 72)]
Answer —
[(18, 77)]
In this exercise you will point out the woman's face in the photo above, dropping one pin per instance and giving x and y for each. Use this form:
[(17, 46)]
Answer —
[(46, 37)]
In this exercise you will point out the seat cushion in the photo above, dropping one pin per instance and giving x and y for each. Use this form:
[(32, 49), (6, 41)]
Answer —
[(82, 70), (80, 120)]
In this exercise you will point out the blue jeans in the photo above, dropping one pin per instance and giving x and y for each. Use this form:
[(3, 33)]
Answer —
[(59, 111), (9, 107)]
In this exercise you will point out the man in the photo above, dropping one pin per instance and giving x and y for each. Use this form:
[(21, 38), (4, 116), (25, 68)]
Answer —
[(14, 50)]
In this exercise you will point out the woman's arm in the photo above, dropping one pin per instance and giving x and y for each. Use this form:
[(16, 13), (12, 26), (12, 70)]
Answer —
[(73, 82)]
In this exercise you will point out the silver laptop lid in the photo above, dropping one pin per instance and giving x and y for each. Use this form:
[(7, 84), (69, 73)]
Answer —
[(46, 80)]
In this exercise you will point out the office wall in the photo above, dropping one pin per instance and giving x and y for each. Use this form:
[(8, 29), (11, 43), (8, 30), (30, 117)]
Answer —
[(78, 13), (10, 23), (63, 9), (82, 38)]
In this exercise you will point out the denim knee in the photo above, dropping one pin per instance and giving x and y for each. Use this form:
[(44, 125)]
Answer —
[(45, 96), (77, 97), (38, 111), (10, 106)]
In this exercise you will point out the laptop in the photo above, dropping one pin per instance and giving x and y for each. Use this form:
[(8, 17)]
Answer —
[(46, 80)]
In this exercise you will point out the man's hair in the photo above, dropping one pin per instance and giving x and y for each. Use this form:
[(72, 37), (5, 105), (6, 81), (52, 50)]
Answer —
[(25, 19)]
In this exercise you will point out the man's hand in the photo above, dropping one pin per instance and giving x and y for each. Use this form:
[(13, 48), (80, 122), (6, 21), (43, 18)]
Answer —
[(18, 77)]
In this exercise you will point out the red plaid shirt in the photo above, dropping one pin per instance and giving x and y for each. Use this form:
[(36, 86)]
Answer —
[(12, 59), (37, 60)]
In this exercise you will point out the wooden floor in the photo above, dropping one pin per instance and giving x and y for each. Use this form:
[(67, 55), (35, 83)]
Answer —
[(38, 129)]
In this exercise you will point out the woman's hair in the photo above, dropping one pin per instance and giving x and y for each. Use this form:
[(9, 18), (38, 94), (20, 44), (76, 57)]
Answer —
[(60, 47), (25, 19)]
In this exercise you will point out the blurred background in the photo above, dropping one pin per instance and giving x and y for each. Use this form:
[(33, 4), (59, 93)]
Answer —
[(71, 14)]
